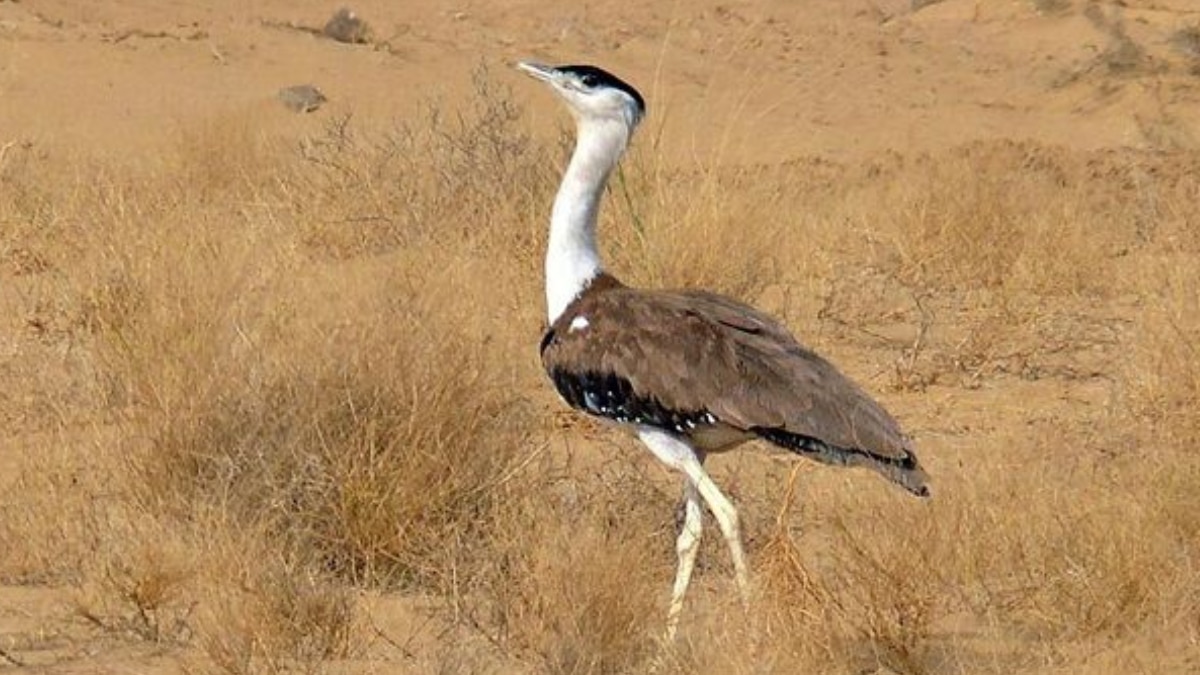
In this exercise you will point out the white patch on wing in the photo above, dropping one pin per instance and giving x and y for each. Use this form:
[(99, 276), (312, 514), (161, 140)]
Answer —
[(578, 323)]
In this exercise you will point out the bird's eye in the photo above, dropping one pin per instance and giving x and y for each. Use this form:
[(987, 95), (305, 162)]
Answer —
[(589, 80)]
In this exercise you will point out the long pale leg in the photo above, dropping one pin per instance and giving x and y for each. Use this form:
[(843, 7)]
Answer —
[(679, 455), (727, 520), (686, 546)]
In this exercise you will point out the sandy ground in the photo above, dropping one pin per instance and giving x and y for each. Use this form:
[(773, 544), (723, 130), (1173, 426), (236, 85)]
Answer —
[(843, 79), (831, 78)]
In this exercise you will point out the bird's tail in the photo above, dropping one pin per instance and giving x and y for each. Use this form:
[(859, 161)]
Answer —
[(903, 470)]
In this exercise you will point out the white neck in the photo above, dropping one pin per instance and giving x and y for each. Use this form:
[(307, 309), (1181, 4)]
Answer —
[(572, 261)]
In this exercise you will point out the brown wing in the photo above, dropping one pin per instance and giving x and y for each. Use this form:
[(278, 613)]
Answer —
[(788, 386), (695, 352), (619, 343)]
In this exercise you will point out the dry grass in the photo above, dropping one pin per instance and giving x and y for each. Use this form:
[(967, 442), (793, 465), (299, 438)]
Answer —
[(271, 377), (1018, 216), (566, 589), (1163, 381)]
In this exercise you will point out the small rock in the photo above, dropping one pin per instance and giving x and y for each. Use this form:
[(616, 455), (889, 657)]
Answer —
[(302, 98), (345, 26)]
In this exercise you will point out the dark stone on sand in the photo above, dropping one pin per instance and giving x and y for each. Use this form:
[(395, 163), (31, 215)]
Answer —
[(301, 98), (346, 26)]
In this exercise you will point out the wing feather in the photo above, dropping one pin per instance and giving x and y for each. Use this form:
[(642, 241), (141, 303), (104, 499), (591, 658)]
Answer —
[(693, 350)]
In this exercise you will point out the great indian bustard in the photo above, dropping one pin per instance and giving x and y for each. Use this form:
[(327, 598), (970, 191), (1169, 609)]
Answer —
[(689, 372)]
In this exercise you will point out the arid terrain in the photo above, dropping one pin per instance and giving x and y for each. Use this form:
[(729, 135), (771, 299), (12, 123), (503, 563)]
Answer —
[(269, 387)]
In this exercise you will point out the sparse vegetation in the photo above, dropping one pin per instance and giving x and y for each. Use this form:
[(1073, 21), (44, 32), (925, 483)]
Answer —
[(296, 376)]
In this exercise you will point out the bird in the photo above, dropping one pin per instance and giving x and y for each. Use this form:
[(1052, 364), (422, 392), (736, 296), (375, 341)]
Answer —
[(689, 372)]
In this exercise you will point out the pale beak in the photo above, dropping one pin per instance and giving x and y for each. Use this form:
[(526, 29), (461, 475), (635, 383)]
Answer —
[(538, 71)]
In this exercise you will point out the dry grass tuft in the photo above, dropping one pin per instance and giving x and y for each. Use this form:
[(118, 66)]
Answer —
[(50, 516), (960, 221), (472, 178), (581, 572), (138, 584), (674, 228), (280, 619), (1162, 379)]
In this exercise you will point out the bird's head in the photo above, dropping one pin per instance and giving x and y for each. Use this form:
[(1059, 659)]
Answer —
[(591, 94)]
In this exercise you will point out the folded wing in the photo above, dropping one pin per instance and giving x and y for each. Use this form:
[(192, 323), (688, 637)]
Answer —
[(685, 355)]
